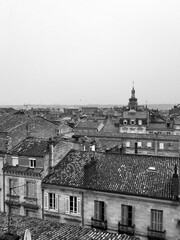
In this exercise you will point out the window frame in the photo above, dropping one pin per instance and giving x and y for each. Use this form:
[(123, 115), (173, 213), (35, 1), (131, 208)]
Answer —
[(157, 220), (32, 160), (47, 202), (127, 215), (128, 144), (139, 144), (99, 210), (161, 145), (16, 159), (149, 144), (29, 188)]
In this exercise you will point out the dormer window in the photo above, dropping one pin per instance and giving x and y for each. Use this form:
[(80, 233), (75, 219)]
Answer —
[(125, 122), (140, 122), (32, 162), (15, 161), (132, 122)]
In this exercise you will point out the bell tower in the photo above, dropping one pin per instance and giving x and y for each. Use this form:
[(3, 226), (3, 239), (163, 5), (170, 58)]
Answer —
[(133, 104)]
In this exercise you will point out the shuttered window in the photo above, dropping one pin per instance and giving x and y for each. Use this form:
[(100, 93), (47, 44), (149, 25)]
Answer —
[(156, 220), (51, 201), (99, 211), (30, 189), (127, 215), (73, 205)]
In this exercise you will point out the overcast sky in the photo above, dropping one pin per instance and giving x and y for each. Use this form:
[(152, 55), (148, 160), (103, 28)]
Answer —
[(89, 51)]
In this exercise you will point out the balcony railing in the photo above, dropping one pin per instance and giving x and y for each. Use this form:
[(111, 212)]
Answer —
[(98, 224), (156, 235), (129, 230)]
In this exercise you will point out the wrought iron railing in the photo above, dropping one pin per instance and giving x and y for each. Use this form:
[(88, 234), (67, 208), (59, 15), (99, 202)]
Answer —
[(129, 230), (98, 224), (156, 235)]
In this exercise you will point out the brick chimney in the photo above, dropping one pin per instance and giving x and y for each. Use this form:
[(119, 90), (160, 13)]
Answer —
[(89, 171), (175, 184)]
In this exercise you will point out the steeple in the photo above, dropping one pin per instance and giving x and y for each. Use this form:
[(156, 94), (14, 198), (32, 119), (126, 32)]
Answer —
[(133, 100)]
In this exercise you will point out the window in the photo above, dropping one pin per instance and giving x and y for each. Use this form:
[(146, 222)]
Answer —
[(13, 187), (132, 121), (99, 211), (125, 122), (30, 189), (140, 122), (127, 215), (161, 145), (156, 220), (51, 201), (139, 144), (149, 144), (127, 144), (73, 205), (32, 162), (15, 161)]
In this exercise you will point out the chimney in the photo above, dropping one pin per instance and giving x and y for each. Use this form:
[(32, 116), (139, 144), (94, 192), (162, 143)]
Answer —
[(175, 184), (89, 171), (51, 153), (136, 148)]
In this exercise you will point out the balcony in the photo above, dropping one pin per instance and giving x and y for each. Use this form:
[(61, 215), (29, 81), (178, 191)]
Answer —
[(30, 203), (125, 229), (156, 235), (102, 225), (13, 200)]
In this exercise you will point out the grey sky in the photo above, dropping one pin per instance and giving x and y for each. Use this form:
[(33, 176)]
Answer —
[(89, 51)]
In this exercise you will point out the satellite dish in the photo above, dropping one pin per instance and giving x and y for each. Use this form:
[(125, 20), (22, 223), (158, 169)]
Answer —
[(27, 235)]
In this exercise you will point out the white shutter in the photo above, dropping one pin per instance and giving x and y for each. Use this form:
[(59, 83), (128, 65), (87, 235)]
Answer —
[(45, 201), (56, 202), (67, 205), (78, 206)]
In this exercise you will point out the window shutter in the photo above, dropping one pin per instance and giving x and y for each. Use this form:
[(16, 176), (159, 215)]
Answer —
[(67, 204), (79, 206), (45, 201), (25, 189), (133, 216), (56, 202)]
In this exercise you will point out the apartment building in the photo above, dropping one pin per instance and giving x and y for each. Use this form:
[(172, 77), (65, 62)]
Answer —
[(133, 194)]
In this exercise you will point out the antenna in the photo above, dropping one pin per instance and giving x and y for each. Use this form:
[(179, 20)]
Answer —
[(27, 235)]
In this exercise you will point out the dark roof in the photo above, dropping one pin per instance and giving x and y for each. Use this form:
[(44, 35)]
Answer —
[(133, 114), (31, 147), (22, 170), (88, 124), (126, 174), (51, 230), (13, 121), (130, 136), (159, 127)]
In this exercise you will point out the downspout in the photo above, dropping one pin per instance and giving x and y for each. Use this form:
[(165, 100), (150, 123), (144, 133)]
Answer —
[(82, 209), (42, 202), (3, 185)]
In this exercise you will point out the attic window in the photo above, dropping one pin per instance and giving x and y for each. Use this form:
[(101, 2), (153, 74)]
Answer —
[(32, 162), (152, 169)]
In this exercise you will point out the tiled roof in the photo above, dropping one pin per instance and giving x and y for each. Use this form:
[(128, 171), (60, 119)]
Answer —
[(22, 170), (134, 115), (32, 147), (126, 174), (12, 122), (50, 230), (159, 126), (130, 136), (104, 144), (88, 124)]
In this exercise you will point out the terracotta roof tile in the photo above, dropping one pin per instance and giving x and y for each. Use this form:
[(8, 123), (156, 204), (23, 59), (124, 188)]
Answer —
[(50, 230), (126, 174), (32, 147)]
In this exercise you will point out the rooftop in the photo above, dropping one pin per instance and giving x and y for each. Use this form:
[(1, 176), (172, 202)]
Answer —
[(88, 124), (124, 174), (50, 230), (32, 147)]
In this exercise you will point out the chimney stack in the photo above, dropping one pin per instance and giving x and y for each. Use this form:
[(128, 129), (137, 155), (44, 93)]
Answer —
[(175, 184), (51, 152)]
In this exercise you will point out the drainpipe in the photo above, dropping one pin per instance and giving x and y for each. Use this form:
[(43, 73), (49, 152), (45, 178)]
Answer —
[(3, 185), (42, 202), (82, 209)]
